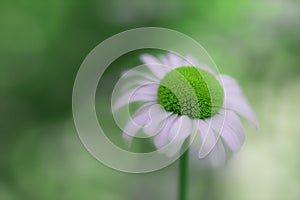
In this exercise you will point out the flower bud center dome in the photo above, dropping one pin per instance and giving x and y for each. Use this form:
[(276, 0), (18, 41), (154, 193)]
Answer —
[(191, 91)]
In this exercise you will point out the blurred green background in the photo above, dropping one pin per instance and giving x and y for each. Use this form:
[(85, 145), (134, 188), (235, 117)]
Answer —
[(42, 44)]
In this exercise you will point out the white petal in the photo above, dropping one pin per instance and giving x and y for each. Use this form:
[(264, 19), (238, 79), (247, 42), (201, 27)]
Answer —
[(229, 126), (161, 139), (142, 97), (179, 135), (193, 61), (162, 68), (135, 78), (181, 129), (140, 118), (235, 99), (149, 89), (136, 83), (217, 157), (154, 65), (165, 61), (175, 60), (157, 119), (173, 135), (135, 73), (127, 138), (145, 93), (172, 148), (208, 137)]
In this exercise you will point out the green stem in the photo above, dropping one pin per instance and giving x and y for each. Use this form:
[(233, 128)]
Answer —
[(183, 175)]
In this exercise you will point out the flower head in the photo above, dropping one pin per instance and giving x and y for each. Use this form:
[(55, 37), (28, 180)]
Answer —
[(180, 97)]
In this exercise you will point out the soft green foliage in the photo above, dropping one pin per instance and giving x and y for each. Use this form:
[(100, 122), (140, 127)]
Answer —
[(191, 91)]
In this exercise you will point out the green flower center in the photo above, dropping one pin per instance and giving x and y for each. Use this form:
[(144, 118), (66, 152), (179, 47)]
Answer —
[(191, 91)]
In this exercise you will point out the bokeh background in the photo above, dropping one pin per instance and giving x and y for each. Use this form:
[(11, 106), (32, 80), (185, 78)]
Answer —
[(42, 44)]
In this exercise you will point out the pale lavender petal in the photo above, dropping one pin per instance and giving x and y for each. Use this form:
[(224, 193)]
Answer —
[(217, 157), (193, 61), (129, 98), (127, 138), (134, 78), (154, 65), (162, 68), (149, 59), (228, 125), (142, 115), (157, 119), (172, 148), (161, 139), (181, 129), (135, 73), (174, 128), (165, 61), (147, 93), (149, 89), (136, 83), (208, 137), (235, 99), (139, 119), (175, 60), (142, 97)]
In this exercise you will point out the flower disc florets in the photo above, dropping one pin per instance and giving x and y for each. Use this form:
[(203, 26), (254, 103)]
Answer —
[(191, 91)]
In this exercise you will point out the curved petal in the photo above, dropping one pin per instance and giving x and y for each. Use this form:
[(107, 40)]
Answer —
[(181, 129), (157, 117), (154, 65), (212, 150), (228, 125), (217, 157), (175, 60), (193, 61), (161, 139), (135, 73), (235, 100), (139, 119), (149, 89), (174, 145), (165, 61), (145, 93), (208, 137), (136, 83)]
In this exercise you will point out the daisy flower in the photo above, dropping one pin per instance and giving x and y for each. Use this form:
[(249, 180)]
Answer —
[(179, 97)]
